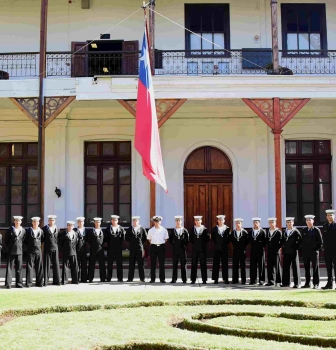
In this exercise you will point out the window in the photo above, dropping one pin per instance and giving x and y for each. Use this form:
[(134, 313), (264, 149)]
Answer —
[(211, 21), (304, 28), (308, 179), (108, 181), (18, 182)]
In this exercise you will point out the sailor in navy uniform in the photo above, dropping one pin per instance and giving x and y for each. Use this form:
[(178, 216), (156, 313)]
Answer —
[(96, 241), (68, 244), (274, 243), (114, 236), (51, 240), (257, 238), (292, 240), (179, 239), (13, 241), (136, 235), (329, 247), (311, 244), (199, 238), (157, 237), (81, 250), (220, 235), (33, 240), (240, 240)]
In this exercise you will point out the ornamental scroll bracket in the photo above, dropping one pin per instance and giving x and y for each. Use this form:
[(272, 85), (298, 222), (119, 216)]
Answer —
[(28, 106)]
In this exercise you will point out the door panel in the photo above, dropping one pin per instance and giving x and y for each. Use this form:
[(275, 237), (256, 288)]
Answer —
[(130, 60), (79, 60)]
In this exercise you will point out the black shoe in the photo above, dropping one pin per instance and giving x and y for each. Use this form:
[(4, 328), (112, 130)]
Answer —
[(27, 285), (90, 281), (151, 281), (9, 287), (163, 281), (215, 282), (327, 286), (296, 286), (316, 286), (269, 284), (260, 284), (130, 280), (172, 281), (306, 285), (109, 280), (192, 282), (141, 281), (204, 282), (184, 282), (19, 286), (226, 282), (284, 285), (40, 285), (120, 280)]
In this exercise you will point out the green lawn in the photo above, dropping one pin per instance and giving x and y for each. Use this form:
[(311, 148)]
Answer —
[(109, 327)]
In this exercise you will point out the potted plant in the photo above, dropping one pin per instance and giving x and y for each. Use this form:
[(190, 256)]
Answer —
[(282, 70), (4, 75)]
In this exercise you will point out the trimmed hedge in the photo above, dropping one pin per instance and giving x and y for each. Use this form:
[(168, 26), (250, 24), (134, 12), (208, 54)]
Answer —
[(148, 346)]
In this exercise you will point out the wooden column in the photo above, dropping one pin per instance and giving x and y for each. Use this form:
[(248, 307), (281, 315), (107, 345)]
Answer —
[(275, 45), (151, 30)]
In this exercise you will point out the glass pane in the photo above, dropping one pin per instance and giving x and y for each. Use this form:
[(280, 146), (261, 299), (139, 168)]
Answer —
[(290, 173), (195, 42), (108, 194), (2, 194), (323, 208), (92, 149), (108, 149), (324, 172), (32, 175), (291, 193), (124, 148), (91, 194), (91, 212), (2, 175), (15, 210), (108, 210), (125, 212), (323, 147), (16, 150), (307, 147), (315, 25), (125, 174), (308, 208), (91, 174), (292, 42), (16, 175), (315, 42), (32, 195), (195, 17), (291, 147), (308, 193), (125, 194), (32, 149), (307, 173), (303, 41), (207, 41), (218, 19), (108, 175), (3, 150), (303, 20), (32, 210), (325, 192), (2, 213), (291, 21), (207, 18), (219, 40), (16, 194), (291, 209)]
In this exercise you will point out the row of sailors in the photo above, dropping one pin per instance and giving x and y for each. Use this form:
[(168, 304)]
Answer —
[(73, 244)]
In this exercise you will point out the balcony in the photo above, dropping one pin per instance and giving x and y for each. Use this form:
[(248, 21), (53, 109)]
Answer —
[(167, 63)]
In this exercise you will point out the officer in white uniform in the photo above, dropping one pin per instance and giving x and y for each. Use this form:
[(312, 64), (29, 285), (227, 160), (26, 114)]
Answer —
[(157, 237)]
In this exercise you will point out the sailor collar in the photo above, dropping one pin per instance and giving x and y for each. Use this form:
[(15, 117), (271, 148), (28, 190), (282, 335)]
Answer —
[(98, 234), (38, 234), (221, 233), (73, 236), (201, 231), (14, 231), (236, 236), (52, 233), (179, 235), (136, 232), (255, 235), (115, 234), (270, 236)]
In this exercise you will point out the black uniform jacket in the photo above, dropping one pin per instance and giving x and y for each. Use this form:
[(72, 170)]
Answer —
[(257, 243), (199, 241), (274, 242), (68, 245), (50, 239), (14, 243), (34, 243), (136, 240), (114, 240), (81, 240), (311, 240), (329, 239), (0, 242), (96, 240), (221, 240), (292, 243), (179, 242), (239, 243)]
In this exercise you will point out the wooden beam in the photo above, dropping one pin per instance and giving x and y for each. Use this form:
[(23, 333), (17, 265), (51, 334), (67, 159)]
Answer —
[(277, 167), (293, 112), (275, 45), (128, 107), (259, 112), (28, 106), (171, 112), (63, 103)]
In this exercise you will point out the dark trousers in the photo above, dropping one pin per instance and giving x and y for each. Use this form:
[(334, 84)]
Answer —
[(70, 264), (312, 258), (179, 255), (288, 261), (157, 252), (82, 266), (117, 256), (136, 255), (220, 255), (330, 261), (257, 261), (274, 271), (34, 260), (238, 260), (201, 256), (11, 261), (51, 257), (92, 263)]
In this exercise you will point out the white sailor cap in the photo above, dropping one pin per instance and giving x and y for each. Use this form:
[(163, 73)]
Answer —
[(135, 217), (309, 216), (80, 218), (178, 217), (256, 219), (35, 218), (220, 216), (238, 219), (272, 219), (198, 217), (18, 217), (97, 219), (157, 218), (52, 217), (330, 211), (70, 222), (114, 217), (289, 218)]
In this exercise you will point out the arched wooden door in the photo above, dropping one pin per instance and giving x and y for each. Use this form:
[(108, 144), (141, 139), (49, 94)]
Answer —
[(207, 186)]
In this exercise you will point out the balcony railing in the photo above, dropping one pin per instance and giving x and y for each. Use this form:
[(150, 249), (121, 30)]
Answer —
[(168, 62)]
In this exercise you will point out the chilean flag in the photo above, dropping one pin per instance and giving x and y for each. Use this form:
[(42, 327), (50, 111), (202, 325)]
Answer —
[(147, 138)]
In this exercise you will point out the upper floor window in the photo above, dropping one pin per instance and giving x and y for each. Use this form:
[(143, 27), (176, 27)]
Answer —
[(212, 22), (304, 28)]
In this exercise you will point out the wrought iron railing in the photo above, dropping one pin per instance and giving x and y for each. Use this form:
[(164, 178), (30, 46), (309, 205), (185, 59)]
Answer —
[(19, 65)]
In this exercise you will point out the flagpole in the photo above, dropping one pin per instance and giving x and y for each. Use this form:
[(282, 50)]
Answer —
[(147, 36)]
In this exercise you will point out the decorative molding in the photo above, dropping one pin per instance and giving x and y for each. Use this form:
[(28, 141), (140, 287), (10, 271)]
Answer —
[(28, 106), (54, 106)]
